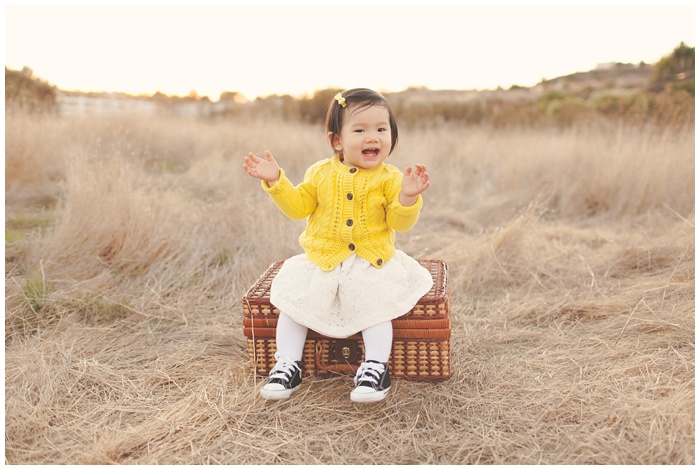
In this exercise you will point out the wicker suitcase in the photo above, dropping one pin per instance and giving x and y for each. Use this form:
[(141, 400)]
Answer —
[(420, 350)]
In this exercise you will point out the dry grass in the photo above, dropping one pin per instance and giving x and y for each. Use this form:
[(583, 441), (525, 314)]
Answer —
[(129, 244)]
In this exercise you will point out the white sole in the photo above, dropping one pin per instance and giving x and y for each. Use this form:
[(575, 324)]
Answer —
[(277, 394), (368, 397)]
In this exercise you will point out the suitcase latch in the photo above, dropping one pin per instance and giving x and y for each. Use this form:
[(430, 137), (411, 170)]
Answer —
[(345, 351)]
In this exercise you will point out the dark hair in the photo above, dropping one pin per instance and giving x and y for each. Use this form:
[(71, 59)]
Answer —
[(365, 98)]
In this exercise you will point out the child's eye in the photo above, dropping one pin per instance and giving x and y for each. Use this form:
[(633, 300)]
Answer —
[(359, 130), (382, 129)]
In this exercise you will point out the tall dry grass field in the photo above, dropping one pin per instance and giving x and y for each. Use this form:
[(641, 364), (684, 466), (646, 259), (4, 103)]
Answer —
[(130, 242)]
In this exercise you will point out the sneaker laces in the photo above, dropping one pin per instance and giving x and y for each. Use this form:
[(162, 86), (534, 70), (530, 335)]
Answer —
[(369, 372), (284, 368)]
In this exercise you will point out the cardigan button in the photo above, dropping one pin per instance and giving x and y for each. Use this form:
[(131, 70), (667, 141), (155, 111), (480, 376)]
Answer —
[(349, 223), (353, 170), (379, 262), (351, 246), (349, 196)]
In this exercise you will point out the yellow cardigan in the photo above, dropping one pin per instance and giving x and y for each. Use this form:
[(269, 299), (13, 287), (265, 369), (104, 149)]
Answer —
[(349, 210)]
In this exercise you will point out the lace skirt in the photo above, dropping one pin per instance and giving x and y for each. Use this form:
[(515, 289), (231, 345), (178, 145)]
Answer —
[(352, 297)]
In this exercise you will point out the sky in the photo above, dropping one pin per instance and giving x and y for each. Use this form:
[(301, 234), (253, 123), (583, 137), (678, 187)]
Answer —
[(285, 48)]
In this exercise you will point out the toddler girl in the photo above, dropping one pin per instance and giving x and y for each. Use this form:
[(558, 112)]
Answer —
[(350, 277)]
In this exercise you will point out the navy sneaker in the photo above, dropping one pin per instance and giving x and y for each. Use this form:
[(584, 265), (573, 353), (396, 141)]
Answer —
[(372, 382), (284, 378)]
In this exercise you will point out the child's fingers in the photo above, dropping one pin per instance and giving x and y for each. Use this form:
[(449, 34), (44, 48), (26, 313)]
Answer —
[(248, 162)]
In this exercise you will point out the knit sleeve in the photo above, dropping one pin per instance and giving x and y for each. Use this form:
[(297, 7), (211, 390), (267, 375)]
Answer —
[(296, 202), (399, 217)]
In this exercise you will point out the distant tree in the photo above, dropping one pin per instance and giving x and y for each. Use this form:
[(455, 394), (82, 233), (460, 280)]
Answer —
[(314, 109), (160, 96), (680, 64), (24, 90), (230, 96)]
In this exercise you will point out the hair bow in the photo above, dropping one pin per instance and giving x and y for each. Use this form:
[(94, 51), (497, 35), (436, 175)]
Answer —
[(341, 101)]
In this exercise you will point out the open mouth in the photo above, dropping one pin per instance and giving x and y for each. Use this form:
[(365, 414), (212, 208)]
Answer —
[(370, 153)]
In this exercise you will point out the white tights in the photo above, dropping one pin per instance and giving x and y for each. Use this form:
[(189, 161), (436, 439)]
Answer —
[(290, 338)]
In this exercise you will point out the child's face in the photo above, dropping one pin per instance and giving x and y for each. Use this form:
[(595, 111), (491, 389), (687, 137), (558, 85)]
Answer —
[(365, 138)]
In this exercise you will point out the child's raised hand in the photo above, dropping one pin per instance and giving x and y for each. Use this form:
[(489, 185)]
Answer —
[(267, 169), (415, 181)]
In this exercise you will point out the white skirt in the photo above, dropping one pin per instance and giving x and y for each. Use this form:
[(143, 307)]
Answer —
[(352, 297)]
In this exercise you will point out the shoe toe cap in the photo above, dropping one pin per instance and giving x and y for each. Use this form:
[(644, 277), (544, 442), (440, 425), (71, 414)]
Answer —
[(367, 394), (274, 387), (363, 390)]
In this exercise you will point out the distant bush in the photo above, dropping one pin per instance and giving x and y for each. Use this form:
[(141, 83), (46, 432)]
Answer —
[(23, 90), (313, 108), (672, 106), (677, 69)]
